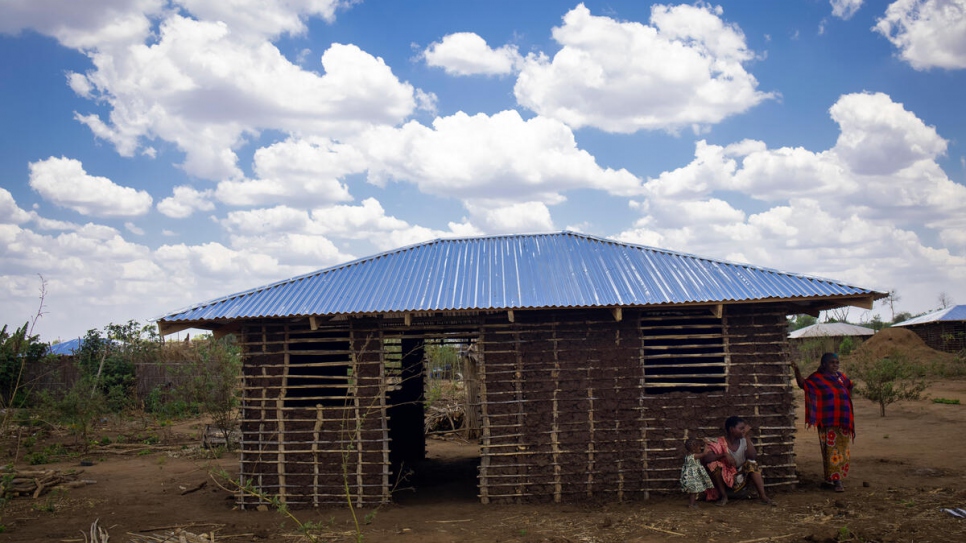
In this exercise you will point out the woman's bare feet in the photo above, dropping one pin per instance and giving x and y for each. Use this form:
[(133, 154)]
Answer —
[(722, 502), (839, 487)]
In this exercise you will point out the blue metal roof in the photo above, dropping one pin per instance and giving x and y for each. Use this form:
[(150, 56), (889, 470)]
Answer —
[(954, 313), (556, 270), (68, 347)]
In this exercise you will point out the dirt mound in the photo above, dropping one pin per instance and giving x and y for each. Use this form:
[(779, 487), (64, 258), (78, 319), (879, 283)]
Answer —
[(904, 341)]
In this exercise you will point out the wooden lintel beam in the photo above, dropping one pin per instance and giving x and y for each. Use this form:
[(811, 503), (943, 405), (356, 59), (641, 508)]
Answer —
[(509, 315), (618, 313), (408, 319), (313, 324), (225, 330), (864, 303)]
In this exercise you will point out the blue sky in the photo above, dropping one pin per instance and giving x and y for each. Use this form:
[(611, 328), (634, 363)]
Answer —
[(159, 153)]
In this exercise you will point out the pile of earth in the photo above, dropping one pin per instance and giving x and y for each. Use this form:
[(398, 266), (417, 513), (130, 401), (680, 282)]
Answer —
[(904, 342)]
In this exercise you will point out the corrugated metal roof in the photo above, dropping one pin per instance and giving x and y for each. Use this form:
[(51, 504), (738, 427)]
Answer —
[(556, 270), (954, 313), (68, 347), (831, 329)]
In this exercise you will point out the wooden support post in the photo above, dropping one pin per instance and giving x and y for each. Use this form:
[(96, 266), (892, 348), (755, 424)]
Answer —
[(486, 422), (316, 437), (555, 425), (618, 313)]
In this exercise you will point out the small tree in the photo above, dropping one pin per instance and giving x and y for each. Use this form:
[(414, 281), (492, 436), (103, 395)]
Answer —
[(800, 321), (888, 380), (212, 369), (846, 346)]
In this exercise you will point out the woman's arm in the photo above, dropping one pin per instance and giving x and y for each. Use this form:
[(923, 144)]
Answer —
[(798, 375), (712, 456), (750, 452)]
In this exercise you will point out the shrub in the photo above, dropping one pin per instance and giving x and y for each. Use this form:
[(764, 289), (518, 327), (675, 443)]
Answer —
[(888, 380), (846, 347)]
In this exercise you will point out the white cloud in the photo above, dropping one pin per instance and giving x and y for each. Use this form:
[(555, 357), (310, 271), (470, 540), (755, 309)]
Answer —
[(134, 229), (879, 136), (466, 53), (81, 25), (529, 217), (477, 157), (928, 33), (64, 182), (264, 18), (276, 219), (845, 9), (206, 87), (10, 212), (868, 211), (296, 171), (185, 201), (685, 69), (304, 237)]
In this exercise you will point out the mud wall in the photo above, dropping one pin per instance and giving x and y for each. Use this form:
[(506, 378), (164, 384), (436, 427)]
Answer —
[(575, 404), (579, 405), (313, 417)]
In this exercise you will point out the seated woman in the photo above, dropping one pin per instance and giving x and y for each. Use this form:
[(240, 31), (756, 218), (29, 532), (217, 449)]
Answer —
[(731, 462)]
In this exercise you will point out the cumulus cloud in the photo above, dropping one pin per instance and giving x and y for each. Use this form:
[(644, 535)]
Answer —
[(265, 18), (78, 24), (207, 79), (185, 201), (10, 212), (304, 171), (845, 9), (850, 212), (684, 69), (474, 157), (881, 136), (63, 181), (928, 33), (466, 53), (300, 236), (512, 218)]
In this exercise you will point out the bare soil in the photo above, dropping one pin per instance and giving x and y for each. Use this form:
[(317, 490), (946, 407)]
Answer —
[(907, 466)]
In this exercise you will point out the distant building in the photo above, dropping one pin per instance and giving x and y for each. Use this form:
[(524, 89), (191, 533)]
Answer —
[(809, 343), (66, 348), (832, 329), (943, 330)]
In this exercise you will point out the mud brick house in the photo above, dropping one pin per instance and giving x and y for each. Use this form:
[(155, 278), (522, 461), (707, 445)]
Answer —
[(943, 330), (595, 359)]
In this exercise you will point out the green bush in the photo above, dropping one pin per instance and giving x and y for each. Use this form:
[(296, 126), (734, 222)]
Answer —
[(888, 380), (846, 346)]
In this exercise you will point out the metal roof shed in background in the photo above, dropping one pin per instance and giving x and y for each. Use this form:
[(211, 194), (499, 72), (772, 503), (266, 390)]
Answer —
[(831, 329), (943, 330)]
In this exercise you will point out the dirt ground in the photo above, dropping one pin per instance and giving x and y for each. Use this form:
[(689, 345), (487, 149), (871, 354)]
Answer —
[(906, 467)]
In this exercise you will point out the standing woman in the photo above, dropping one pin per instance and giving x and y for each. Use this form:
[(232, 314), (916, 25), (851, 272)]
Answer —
[(828, 406)]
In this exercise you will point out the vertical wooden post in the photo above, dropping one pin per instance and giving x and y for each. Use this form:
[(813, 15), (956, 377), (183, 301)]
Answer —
[(555, 425), (485, 449), (521, 487), (316, 436), (591, 462)]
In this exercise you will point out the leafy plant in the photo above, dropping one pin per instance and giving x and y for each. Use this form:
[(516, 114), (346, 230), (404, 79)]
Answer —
[(888, 380), (846, 346), (210, 370), (945, 401)]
